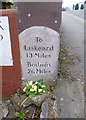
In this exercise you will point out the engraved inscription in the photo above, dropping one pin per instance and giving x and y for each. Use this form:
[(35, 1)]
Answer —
[(36, 48), (39, 48), (39, 55)]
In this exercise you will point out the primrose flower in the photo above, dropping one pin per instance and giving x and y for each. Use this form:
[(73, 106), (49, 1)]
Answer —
[(34, 87), (30, 82), (43, 91), (24, 89), (36, 82), (43, 86), (27, 84), (39, 90), (32, 90)]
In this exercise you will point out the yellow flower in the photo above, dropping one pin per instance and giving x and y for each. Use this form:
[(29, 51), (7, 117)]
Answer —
[(32, 90), (30, 82), (27, 84), (24, 89), (43, 86), (39, 90), (35, 88)]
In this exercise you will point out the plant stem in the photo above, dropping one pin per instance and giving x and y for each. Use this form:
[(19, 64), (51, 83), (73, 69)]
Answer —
[(24, 101)]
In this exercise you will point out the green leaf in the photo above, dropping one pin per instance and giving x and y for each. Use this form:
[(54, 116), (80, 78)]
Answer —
[(36, 92), (41, 93), (40, 81), (34, 82), (46, 92), (64, 61), (17, 114), (24, 113)]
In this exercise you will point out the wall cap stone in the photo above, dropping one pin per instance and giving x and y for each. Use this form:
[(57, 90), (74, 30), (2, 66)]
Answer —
[(38, 0)]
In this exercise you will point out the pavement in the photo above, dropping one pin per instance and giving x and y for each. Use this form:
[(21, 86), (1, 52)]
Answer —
[(73, 35), (70, 95)]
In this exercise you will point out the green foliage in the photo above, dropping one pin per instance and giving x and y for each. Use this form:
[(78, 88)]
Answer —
[(21, 116), (17, 114), (85, 2), (77, 6), (8, 5), (36, 88), (82, 6)]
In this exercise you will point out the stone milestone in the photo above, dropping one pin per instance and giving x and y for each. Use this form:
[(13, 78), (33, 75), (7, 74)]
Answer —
[(39, 49)]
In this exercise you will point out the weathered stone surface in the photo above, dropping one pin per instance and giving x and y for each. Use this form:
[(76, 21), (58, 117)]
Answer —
[(1, 115), (11, 110), (16, 102), (20, 101), (39, 99), (0, 102), (49, 108), (8, 102), (26, 99), (52, 108), (31, 110), (44, 107), (34, 105), (4, 110), (39, 48)]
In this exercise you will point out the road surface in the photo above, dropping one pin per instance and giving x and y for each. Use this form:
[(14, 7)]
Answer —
[(70, 96), (78, 13)]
